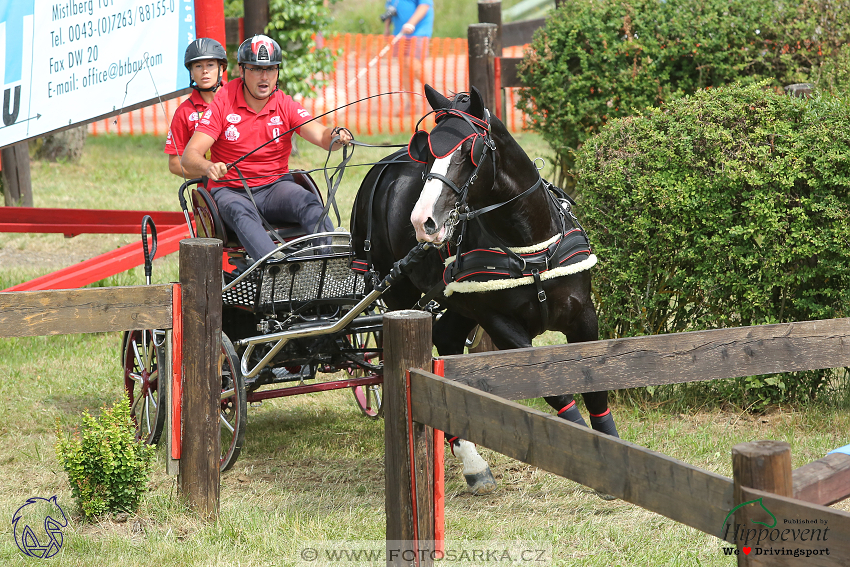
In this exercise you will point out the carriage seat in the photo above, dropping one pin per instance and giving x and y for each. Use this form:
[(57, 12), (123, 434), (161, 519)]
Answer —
[(209, 224)]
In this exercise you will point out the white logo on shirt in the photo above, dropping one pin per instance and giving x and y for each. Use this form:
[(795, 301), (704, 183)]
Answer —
[(208, 113), (275, 134), (303, 113), (274, 120), (232, 134), (234, 118), (193, 117)]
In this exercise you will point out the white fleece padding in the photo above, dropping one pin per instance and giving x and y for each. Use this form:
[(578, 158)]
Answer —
[(468, 454), (494, 285)]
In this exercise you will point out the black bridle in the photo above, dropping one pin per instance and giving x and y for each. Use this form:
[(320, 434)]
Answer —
[(463, 212)]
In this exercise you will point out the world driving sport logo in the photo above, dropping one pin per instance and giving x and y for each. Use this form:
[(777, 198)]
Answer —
[(48, 542), (797, 537)]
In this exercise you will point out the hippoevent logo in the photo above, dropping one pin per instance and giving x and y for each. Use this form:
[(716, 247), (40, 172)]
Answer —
[(35, 512), (12, 14), (797, 537)]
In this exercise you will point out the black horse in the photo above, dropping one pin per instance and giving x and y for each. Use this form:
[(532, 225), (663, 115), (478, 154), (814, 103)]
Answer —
[(508, 255)]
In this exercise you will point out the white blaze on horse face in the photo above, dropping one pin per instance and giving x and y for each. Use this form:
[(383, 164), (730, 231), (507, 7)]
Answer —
[(424, 208)]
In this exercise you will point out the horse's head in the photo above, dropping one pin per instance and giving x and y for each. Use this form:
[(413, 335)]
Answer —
[(454, 152)]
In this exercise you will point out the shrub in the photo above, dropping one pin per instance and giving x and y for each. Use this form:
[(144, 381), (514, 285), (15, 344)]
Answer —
[(107, 468), (599, 60), (725, 208)]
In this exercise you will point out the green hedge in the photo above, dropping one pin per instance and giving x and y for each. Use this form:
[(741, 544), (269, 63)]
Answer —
[(728, 207), (599, 60)]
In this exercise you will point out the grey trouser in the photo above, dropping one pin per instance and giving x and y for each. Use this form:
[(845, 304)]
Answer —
[(283, 201)]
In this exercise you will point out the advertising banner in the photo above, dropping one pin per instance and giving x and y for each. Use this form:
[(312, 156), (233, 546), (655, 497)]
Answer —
[(67, 62)]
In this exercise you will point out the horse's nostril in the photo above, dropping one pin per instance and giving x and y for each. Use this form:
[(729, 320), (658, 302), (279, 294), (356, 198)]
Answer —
[(430, 226)]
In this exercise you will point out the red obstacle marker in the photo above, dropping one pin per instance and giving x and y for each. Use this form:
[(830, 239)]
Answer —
[(72, 222), (105, 265)]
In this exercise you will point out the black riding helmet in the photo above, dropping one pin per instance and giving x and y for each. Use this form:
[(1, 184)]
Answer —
[(200, 49), (262, 51)]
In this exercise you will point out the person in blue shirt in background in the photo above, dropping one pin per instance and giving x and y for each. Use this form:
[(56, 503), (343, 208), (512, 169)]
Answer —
[(415, 19)]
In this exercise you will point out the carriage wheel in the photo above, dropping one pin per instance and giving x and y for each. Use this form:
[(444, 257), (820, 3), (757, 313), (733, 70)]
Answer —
[(234, 405), (369, 356), (141, 381)]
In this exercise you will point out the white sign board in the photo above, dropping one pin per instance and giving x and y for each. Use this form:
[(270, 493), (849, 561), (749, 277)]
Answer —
[(66, 62)]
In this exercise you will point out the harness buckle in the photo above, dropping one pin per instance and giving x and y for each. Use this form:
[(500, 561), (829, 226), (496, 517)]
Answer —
[(541, 294), (367, 245)]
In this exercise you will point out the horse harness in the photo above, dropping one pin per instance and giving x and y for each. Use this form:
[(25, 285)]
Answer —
[(500, 262)]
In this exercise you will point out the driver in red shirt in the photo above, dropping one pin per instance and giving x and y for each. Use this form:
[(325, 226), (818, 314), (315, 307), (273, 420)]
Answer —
[(245, 114)]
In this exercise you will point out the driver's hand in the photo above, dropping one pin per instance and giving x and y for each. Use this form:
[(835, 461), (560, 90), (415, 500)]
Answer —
[(216, 171), (345, 136)]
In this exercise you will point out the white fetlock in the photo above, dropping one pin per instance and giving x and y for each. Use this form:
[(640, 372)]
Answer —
[(478, 476)]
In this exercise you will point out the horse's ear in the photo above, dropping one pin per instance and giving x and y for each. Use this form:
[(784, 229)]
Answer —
[(435, 99), (476, 103)]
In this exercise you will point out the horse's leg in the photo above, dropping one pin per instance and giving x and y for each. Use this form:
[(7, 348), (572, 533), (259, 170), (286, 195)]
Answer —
[(585, 327), (601, 418), (565, 405), (450, 334)]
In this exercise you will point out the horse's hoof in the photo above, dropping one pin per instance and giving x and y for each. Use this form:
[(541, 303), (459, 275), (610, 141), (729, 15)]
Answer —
[(481, 483), (604, 496)]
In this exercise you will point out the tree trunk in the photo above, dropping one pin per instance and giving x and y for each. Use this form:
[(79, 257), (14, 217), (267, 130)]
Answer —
[(63, 146)]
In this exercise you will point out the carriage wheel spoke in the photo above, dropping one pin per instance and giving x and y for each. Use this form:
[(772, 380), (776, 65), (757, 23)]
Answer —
[(140, 362), (147, 414), (226, 423), (135, 407)]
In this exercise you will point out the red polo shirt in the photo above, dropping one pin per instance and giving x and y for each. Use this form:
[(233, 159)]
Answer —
[(237, 130), (184, 122)]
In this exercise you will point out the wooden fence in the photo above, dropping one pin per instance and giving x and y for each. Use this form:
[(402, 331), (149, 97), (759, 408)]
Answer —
[(190, 313), (474, 402)]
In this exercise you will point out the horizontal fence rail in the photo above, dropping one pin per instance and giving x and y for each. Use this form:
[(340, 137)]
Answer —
[(655, 360), (97, 310), (677, 490), (360, 71)]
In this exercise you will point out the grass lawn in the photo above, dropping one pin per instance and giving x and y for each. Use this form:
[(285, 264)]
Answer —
[(311, 474)]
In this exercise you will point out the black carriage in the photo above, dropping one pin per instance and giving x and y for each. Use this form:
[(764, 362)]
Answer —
[(287, 318)]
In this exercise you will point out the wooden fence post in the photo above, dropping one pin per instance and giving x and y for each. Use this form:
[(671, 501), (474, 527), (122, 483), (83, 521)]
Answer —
[(409, 490), (200, 280), (481, 61), (765, 465), (490, 12), (17, 183)]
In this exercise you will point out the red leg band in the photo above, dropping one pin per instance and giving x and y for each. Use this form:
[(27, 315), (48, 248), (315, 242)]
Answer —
[(603, 414), (568, 406)]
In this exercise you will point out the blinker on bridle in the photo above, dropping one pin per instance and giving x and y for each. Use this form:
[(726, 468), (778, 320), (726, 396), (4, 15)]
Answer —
[(421, 147)]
